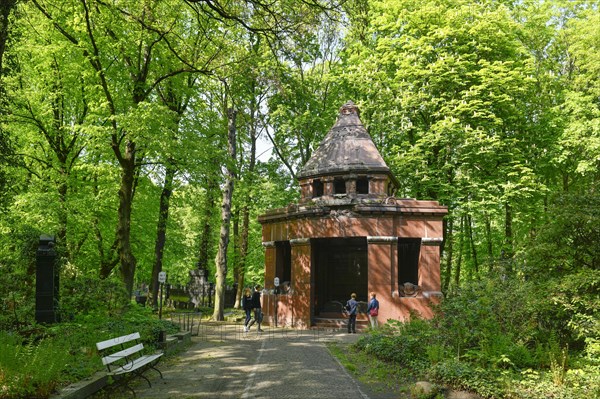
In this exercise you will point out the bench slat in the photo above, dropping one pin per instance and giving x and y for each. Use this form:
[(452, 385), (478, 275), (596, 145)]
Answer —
[(117, 341), (128, 358), (136, 364), (108, 359)]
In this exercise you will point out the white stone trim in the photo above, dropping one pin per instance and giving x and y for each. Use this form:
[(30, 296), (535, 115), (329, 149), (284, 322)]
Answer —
[(299, 241), (435, 294), (435, 241), (382, 239)]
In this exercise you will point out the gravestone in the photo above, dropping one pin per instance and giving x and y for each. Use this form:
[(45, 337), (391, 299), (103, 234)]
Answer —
[(197, 286), (47, 282)]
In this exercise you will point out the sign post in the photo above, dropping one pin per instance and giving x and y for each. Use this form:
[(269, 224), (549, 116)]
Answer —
[(276, 283), (162, 277)]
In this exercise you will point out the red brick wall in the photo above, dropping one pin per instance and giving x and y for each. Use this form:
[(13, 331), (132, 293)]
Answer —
[(301, 287), (381, 231)]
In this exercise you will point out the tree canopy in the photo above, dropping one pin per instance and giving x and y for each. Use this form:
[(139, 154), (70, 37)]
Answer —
[(119, 122)]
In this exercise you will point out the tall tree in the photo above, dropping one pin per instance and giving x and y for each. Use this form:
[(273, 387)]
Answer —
[(131, 34), (246, 204), (230, 176), (579, 155), (177, 99), (305, 95), (445, 87), (6, 7), (48, 118)]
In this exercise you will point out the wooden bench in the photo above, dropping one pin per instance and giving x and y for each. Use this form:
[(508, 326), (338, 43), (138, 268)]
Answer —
[(124, 358)]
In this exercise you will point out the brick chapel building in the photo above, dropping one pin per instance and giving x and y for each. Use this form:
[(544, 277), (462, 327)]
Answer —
[(348, 233)]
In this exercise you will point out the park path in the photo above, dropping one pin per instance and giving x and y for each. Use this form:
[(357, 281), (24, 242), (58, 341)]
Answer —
[(225, 362)]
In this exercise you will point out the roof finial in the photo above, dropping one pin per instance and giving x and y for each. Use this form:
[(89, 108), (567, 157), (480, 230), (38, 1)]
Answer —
[(349, 108)]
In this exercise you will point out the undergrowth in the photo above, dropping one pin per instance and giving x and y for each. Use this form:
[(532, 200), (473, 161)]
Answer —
[(477, 342), (36, 362)]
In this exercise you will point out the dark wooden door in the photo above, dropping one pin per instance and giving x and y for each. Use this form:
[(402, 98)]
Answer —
[(339, 267)]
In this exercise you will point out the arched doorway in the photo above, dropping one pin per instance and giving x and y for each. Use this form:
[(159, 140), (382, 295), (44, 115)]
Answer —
[(339, 268)]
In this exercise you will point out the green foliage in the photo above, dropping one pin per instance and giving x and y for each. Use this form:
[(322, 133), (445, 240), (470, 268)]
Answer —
[(490, 107), (576, 298), (401, 343), (491, 320), (29, 369), (493, 337), (55, 355), (567, 241), (463, 375), (17, 283), (563, 256), (90, 295)]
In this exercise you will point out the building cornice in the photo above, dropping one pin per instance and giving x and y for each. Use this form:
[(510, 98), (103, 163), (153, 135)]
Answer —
[(432, 241), (382, 240), (299, 241)]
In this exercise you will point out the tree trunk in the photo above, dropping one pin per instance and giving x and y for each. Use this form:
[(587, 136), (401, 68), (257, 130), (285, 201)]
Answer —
[(448, 249), (460, 252), (161, 231), (126, 258), (221, 276), (488, 237), (209, 205), (236, 255), (508, 238), (6, 7), (472, 245), (240, 266), (61, 234)]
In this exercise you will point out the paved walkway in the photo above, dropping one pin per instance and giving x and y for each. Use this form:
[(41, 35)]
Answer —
[(225, 362)]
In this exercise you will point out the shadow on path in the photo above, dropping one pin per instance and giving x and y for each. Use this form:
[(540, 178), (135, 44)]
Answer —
[(225, 362)]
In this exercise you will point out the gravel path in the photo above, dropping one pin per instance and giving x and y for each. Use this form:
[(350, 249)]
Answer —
[(225, 362)]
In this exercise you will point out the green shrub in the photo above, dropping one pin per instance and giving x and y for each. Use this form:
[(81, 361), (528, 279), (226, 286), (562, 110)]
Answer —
[(462, 375), (62, 353), (17, 303), (492, 337), (502, 351), (90, 295), (436, 352), (401, 343), (583, 382), (29, 369)]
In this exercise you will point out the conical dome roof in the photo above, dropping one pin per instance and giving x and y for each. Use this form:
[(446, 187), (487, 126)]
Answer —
[(347, 148)]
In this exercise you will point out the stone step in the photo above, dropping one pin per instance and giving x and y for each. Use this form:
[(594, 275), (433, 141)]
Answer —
[(322, 322)]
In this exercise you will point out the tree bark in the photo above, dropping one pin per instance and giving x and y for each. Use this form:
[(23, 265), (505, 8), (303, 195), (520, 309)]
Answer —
[(240, 266), (127, 260), (508, 238), (161, 231), (221, 277), (236, 254), (209, 205), (6, 7), (488, 237), (448, 249), (460, 252), (472, 245)]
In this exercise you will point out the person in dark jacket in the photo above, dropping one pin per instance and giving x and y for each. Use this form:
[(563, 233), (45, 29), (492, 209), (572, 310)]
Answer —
[(352, 309), (373, 310), (247, 306), (256, 306)]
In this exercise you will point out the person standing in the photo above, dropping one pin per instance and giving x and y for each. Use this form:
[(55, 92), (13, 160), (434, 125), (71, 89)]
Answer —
[(258, 316), (247, 306), (373, 310), (352, 308)]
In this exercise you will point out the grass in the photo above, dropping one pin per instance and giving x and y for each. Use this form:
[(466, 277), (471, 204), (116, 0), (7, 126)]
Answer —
[(377, 375)]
